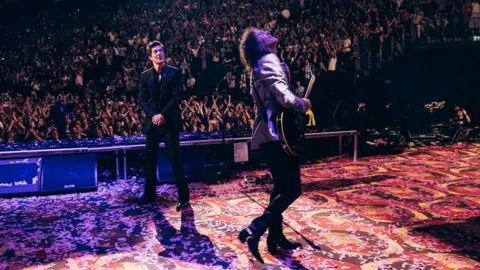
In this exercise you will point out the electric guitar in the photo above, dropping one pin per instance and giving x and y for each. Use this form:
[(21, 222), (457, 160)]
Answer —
[(290, 126)]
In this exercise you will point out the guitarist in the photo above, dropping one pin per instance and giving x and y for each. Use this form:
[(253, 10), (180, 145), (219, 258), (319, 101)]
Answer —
[(271, 91)]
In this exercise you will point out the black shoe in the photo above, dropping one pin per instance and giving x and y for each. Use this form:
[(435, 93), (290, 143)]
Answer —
[(275, 242), (252, 235), (252, 242), (181, 206)]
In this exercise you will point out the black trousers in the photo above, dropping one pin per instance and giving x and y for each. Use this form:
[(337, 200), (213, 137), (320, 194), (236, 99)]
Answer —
[(172, 146), (287, 188)]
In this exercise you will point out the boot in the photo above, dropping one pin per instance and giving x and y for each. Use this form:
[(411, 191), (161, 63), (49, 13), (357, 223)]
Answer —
[(276, 239), (252, 235)]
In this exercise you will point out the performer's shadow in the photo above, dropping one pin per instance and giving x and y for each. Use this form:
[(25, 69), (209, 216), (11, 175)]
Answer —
[(186, 244)]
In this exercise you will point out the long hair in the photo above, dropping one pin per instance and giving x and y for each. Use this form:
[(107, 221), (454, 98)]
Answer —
[(250, 50)]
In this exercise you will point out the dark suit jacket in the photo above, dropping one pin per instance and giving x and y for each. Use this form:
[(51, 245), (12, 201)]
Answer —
[(161, 97)]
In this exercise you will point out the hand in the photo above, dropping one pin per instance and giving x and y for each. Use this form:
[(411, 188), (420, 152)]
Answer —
[(308, 104), (158, 119)]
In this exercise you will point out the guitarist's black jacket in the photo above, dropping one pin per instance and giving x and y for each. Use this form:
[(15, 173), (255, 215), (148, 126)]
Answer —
[(271, 91)]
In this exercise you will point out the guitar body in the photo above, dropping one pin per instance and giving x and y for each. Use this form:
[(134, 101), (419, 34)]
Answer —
[(291, 131), (290, 126)]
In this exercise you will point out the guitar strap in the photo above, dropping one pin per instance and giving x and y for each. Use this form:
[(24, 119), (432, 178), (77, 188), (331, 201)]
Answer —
[(258, 101)]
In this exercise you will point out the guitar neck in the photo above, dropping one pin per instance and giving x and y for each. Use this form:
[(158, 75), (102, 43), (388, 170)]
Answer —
[(310, 87)]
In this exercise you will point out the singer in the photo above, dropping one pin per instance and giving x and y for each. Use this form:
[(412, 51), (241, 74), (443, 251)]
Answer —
[(159, 96)]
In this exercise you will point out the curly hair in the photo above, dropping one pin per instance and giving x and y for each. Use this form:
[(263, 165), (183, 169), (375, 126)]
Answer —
[(250, 50)]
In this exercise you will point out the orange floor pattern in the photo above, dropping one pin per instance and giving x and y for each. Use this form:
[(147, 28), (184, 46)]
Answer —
[(417, 210)]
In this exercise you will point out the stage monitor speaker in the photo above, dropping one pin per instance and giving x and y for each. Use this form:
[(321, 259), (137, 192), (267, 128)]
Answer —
[(384, 142), (419, 127), (193, 159), (20, 176), (421, 134), (69, 173)]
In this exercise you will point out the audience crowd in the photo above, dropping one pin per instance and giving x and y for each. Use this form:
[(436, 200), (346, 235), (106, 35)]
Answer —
[(71, 73)]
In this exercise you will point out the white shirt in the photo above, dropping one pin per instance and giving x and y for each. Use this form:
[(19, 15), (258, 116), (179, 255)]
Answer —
[(475, 8), (308, 71), (191, 82), (332, 64), (346, 45), (243, 80), (231, 82), (112, 36), (79, 79)]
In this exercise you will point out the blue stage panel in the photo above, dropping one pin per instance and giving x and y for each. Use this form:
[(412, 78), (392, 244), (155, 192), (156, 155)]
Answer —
[(19, 176), (193, 160), (69, 173)]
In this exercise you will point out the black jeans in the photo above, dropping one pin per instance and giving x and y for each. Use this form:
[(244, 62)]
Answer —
[(172, 147), (287, 187)]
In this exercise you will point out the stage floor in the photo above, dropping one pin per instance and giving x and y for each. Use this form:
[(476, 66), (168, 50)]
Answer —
[(417, 210)]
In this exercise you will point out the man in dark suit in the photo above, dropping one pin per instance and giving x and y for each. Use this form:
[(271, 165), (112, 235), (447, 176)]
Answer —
[(159, 96)]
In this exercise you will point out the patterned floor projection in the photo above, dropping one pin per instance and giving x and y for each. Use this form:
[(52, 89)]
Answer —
[(417, 210)]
